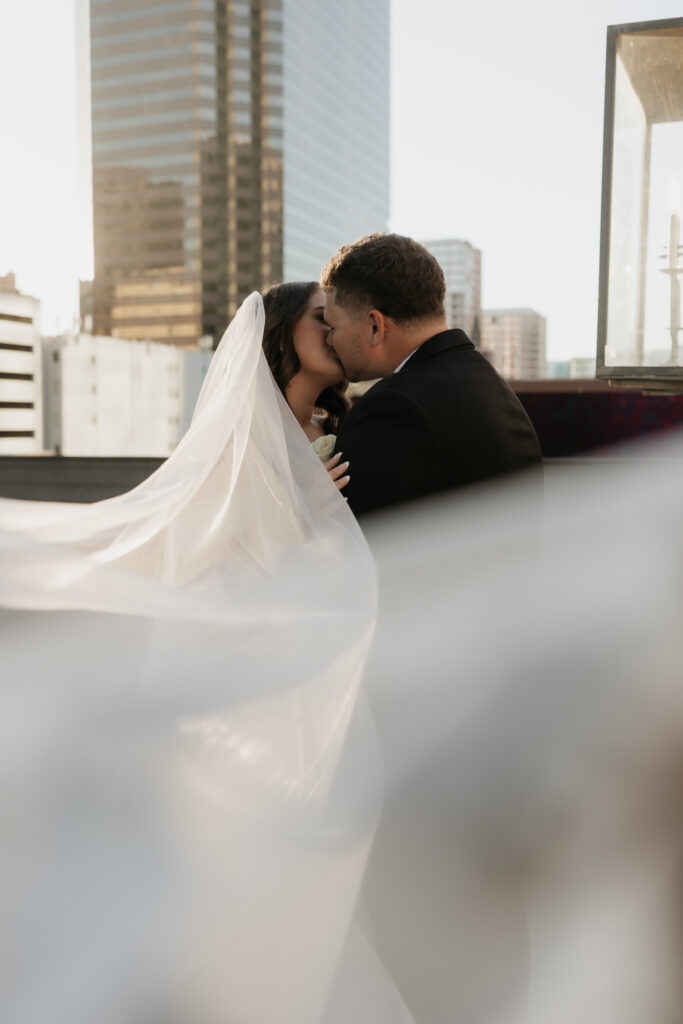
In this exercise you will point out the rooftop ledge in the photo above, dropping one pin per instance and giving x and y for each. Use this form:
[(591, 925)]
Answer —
[(575, 418)]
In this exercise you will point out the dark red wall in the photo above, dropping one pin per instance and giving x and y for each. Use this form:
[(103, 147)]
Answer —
[(571, 422)]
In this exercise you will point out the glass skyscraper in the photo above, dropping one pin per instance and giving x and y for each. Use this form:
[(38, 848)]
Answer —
[(233, 144)]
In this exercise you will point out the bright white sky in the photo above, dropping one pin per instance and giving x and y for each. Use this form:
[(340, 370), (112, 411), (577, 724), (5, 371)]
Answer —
[(496, 138)]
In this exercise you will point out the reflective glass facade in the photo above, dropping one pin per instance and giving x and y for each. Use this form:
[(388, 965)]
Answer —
[(336, 127), (186, 185), (233, 143)]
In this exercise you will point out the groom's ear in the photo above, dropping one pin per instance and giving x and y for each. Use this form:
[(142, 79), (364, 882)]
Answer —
[(377, 326)]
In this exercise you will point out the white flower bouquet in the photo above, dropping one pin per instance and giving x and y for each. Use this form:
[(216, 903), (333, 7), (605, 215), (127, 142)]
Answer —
[(324, 446)]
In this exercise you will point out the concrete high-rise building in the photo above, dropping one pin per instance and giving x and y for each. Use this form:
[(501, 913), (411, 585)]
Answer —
[(21, 409), (233, 144), (461, 265), (557, 369), (106, 396), (514, 341), (582, 367)]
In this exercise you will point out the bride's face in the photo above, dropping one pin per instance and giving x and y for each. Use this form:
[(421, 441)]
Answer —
[(316, 357)]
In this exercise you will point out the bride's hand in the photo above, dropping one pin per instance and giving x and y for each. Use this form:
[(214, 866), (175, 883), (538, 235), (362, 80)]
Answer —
[(337, 470)]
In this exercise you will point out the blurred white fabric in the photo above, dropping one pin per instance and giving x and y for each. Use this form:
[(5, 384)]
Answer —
[(216, 807)]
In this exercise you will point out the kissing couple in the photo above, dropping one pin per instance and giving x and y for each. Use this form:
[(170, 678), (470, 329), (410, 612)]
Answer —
[(199, 775), (440, 416)]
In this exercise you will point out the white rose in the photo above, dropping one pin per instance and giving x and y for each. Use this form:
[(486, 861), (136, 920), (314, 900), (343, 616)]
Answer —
[(324, 446)]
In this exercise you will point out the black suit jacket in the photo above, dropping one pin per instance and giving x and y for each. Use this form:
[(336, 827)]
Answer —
[(445, 420)]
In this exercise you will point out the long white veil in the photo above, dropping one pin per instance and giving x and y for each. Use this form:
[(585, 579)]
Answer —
[(183, 726), (216, 807)]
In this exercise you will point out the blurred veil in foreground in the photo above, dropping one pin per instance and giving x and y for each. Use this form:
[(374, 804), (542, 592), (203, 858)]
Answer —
[(223, 801)]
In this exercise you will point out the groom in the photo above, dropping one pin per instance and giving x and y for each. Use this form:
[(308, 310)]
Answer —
[(441, 417)]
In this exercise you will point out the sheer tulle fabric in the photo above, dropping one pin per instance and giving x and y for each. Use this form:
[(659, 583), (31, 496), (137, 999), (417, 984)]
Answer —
[(217, 693), (217, 807)]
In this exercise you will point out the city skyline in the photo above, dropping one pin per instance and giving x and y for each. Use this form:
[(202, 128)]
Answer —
[(496, 138)]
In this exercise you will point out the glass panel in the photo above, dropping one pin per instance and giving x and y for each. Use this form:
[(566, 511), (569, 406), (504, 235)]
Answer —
[(643, 309), (164, 96), (115, 16), (139, 35), (156, 117), (662, 282), (189, 67), (145, 56)]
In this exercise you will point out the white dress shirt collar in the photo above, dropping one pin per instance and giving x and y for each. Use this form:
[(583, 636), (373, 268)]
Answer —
[(401, 365)]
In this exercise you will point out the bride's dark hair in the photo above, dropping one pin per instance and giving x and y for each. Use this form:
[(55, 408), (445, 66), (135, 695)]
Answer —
[(285, 304)]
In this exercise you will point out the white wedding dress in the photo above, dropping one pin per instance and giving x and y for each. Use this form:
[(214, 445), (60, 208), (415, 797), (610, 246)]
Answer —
[(218, 806)]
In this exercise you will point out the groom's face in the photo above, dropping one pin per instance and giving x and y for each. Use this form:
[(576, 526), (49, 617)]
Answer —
[(350, 337)]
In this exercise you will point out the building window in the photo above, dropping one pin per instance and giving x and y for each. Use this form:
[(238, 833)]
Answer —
[(13, 347), (16, 319)]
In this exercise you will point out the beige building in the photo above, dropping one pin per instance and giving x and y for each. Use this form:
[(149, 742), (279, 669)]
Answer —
[(21, 413), (461, 265), (514, 341)]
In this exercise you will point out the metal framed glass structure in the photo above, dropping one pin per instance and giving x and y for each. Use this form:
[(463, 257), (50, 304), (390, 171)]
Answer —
[(639, 320)]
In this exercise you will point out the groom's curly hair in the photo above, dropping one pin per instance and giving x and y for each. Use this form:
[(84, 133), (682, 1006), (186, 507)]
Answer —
[(391, 273), (284, 306)]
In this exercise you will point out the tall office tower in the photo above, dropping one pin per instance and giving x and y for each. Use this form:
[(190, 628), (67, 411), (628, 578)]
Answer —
[(514, 341), (233, 144), (21, 401), (461, 265)]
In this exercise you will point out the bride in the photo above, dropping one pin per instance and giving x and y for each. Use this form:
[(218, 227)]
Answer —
[(306, 370)]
